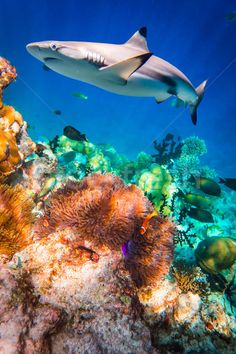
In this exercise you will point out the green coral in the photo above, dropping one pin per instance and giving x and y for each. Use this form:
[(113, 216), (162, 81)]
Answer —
[(155, 182), (193, 146), (143, 161), (189, 163)]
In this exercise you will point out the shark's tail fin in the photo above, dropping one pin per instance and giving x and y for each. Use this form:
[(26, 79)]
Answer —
[(193, 107)]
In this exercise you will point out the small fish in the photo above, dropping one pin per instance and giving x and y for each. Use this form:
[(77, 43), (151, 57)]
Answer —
[(67, 157), (125, 248), (229, 182), (200, 215), (145, 224), (18, 265), (72, 133), (197, 200), (45, 67), (213, 230), (231, 16), (206, 185), (47, 187), (80, 95), (57, 112), (40, 149)]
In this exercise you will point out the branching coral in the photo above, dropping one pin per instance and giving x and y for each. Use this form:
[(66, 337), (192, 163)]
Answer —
[(190, 278), (188, 162), (106, 212), (167, 149), (16, 219)]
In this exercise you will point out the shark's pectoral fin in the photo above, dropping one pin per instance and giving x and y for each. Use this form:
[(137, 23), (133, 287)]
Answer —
[(162, 97), (121, 71)]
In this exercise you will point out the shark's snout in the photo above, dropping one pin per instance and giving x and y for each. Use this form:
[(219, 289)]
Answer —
[(35, 50), (41, 50)]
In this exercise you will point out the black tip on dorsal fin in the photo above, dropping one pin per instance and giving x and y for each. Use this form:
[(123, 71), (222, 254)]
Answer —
[(138, 40), (143, 31)]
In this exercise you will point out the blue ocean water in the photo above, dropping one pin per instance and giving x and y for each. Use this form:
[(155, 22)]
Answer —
[(194, 36)]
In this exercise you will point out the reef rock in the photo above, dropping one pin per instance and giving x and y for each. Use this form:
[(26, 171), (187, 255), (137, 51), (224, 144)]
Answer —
[(70, 300)]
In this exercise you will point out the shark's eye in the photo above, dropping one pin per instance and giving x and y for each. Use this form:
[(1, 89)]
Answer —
[(53, 46)]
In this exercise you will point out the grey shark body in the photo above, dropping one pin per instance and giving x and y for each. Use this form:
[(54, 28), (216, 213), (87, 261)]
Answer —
[(126, 69)]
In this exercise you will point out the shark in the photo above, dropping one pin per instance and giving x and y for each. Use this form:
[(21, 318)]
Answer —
[(127, 69)]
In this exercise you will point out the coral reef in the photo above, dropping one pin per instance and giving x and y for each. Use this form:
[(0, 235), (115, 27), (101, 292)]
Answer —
[(11, 127), (105, 212), (100, 207), (190, 278), (26, 324), (216, 254), (66, 287), (168, 149), (16, 219), (8, 74), (155, 182), (70, 305), (189, 163)]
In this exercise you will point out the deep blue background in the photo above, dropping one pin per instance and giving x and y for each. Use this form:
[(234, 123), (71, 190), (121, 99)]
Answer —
[(192, 35)]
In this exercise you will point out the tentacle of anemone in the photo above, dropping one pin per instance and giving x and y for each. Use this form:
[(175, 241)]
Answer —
[(105, 211), (151, 253)]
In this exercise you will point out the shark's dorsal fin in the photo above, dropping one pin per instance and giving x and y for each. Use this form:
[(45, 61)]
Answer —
[(138, 40), (121, 71)]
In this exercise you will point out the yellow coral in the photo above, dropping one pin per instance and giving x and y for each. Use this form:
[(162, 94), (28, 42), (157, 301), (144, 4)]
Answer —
[(9, 154), (11, 122), (16, 219), (190, 279), (155, 182)]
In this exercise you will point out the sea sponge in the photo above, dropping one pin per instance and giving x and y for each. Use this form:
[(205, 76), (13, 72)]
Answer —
[(101, 208), (152, 253), (16, 219)]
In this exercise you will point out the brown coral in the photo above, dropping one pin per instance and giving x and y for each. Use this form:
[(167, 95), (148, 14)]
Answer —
[(16, 219), (151, 253), (103, 210)]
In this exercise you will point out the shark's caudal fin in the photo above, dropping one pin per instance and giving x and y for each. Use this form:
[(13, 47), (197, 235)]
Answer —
[(193, 108)]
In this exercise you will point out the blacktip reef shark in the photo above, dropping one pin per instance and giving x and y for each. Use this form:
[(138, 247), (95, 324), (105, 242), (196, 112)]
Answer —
[(126, 69)]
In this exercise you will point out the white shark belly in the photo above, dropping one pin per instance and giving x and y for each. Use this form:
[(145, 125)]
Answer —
[(137, 85)]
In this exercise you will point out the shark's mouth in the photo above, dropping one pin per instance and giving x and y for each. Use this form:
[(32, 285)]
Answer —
[(48, 59)]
